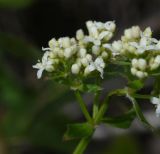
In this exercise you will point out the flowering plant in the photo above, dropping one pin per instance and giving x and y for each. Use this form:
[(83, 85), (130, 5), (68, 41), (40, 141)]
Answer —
[(83, 62)]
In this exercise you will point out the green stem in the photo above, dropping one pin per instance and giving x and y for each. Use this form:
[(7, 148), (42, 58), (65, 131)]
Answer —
[(82, 145), (142, 96), (104, 106), (83, 107), (95, 105)]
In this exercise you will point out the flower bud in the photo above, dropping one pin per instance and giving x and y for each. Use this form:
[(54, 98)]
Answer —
[(89, 57), (96, 50), (82, 52), (89, 24), (128, 34), (79, 34), (68, 53), (136, 31), (84, 62), (104, 55), (157, 59), (52, 55), (53, 43), (49, 68), (75, 68), (147, 32), (135, 63), (60, 53), (66, 42), (94, 32), (117, 45), (142, 64), (154, 66), (140, 74), (133, 71)]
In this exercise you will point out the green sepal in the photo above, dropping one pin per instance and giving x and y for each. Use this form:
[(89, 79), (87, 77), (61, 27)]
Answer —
[(78, 130)]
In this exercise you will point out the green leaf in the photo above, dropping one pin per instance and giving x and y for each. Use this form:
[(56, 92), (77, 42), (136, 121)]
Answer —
[(136, 84), (92, 88), (140, 115), (78, 130), (122, 121)]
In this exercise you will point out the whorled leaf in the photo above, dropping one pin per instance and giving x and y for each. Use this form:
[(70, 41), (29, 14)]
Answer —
[(122, 121), (79, 130)]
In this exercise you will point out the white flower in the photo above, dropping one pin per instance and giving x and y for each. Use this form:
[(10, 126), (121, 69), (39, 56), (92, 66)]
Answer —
[(145, 44), (46, 64), (98, 65), (110, 47), (110, 26), (156, 102)]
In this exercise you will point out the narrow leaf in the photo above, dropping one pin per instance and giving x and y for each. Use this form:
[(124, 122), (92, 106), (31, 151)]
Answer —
[(122, 121), (136, 84), (78, 130)]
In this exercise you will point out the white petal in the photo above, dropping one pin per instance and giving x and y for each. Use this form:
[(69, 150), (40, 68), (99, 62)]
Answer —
[(155, 100), (158, 111), (100, 69), (103, 34), (37, 66), (39, 73), (134, 44), (91, 67)]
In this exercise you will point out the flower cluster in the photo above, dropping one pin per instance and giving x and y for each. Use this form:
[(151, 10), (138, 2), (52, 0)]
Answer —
[(79, 56), (140, 48), (75, 60)]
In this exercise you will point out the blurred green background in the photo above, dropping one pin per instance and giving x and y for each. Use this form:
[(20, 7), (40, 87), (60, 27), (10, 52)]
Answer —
[(34, 113)]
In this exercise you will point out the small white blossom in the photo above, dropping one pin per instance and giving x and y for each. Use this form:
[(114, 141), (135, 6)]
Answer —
[(156, 102), (98, 65), (110, 26), (46, 64)]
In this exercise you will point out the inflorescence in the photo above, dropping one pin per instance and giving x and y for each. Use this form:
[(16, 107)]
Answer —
[(78, 58)]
